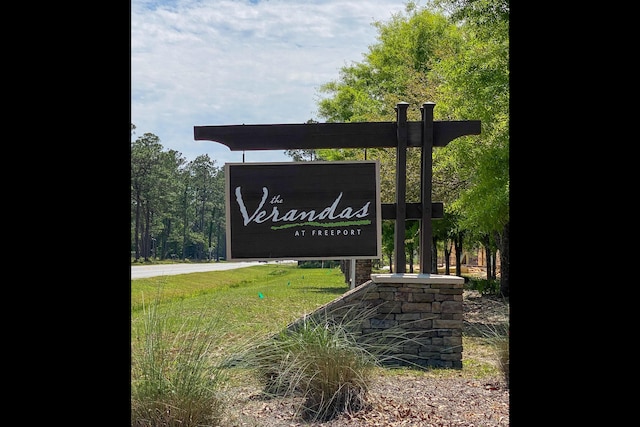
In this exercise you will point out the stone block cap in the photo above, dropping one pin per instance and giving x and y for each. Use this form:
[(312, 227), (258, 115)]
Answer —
[(417, 278)]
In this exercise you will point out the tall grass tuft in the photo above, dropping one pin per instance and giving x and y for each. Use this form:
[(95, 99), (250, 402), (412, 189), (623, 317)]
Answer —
[(500, 343), (323, 359), (496, 335), (174, 379), (335, 371)]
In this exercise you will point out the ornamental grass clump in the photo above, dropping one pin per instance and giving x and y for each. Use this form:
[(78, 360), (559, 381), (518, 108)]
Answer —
[(323, 361), (496, 335), (174, 379), (333, 370), (318, 360), (500, 342)]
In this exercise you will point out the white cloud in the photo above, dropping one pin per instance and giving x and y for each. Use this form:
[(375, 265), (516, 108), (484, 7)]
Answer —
[(223, 62)]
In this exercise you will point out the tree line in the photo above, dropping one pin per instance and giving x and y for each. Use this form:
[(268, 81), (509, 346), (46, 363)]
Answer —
[(454, 53)]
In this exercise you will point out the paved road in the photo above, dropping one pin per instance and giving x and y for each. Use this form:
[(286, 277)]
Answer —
[(141, 271)]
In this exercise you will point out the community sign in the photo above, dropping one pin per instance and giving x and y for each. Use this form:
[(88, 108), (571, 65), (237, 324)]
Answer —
[(303, 210)]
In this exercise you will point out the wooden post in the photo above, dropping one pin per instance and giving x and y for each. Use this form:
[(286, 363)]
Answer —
[(401, 186), (426, 229)]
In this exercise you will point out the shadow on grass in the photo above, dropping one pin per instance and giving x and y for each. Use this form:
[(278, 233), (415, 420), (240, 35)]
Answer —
[(336, 290)]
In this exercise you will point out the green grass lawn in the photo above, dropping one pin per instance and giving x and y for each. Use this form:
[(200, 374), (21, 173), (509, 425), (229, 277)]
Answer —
[(250, 301)]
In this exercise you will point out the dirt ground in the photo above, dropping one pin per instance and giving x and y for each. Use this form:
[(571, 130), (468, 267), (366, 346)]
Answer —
[(411, 399)]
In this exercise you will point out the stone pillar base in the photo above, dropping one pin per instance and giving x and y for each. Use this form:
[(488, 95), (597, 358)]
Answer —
[(428, 307), (415, 318)]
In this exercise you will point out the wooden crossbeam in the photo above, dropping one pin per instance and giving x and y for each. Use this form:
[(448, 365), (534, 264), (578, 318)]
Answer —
[(329, 135)]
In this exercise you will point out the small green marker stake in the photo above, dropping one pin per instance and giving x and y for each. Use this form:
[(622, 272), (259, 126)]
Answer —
[(289, 283), (260, 295)]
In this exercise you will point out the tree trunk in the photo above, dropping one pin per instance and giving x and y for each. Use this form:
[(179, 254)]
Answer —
[(494, 264), (457, 241), (434, 256), (345, 266), (137, 230), (447, 258), (218, 242), (185, 222), (504, 262), (146, 240), (487, 257), (165, 235), (410, 255)]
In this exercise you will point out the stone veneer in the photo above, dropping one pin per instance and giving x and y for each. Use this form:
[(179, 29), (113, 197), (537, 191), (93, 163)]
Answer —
[(425, 307), (363, 270)]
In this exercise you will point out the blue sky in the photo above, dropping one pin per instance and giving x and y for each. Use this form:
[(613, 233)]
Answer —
[(225, 62)]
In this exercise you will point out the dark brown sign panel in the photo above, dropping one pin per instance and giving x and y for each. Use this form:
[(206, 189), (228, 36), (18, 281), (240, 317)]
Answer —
[(303, 210)]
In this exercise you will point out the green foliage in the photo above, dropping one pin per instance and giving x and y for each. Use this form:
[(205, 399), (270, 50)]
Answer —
[(490, 17), (460, 61), (388, 241), (319, 264), (484, 286), (476, 87), (396, 69), (177, 208)]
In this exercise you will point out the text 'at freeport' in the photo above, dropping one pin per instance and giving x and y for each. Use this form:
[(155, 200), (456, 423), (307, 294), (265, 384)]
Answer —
[(330, 233), (261, 214)]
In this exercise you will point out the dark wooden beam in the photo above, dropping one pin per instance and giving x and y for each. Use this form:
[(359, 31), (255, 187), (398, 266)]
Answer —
[(300, 136), (330, 135)]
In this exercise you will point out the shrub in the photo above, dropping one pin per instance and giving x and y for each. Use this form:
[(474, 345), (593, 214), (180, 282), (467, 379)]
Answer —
[(484, 286), (318, 264)]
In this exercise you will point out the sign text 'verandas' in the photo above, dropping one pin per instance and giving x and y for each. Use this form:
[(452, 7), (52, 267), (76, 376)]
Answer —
[(261, 214)]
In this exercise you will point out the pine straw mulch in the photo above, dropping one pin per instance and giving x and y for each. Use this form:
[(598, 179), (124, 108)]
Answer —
[(409, 398)]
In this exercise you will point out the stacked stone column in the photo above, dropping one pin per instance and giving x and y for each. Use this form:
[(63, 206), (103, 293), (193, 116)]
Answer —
[(419, 314)]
